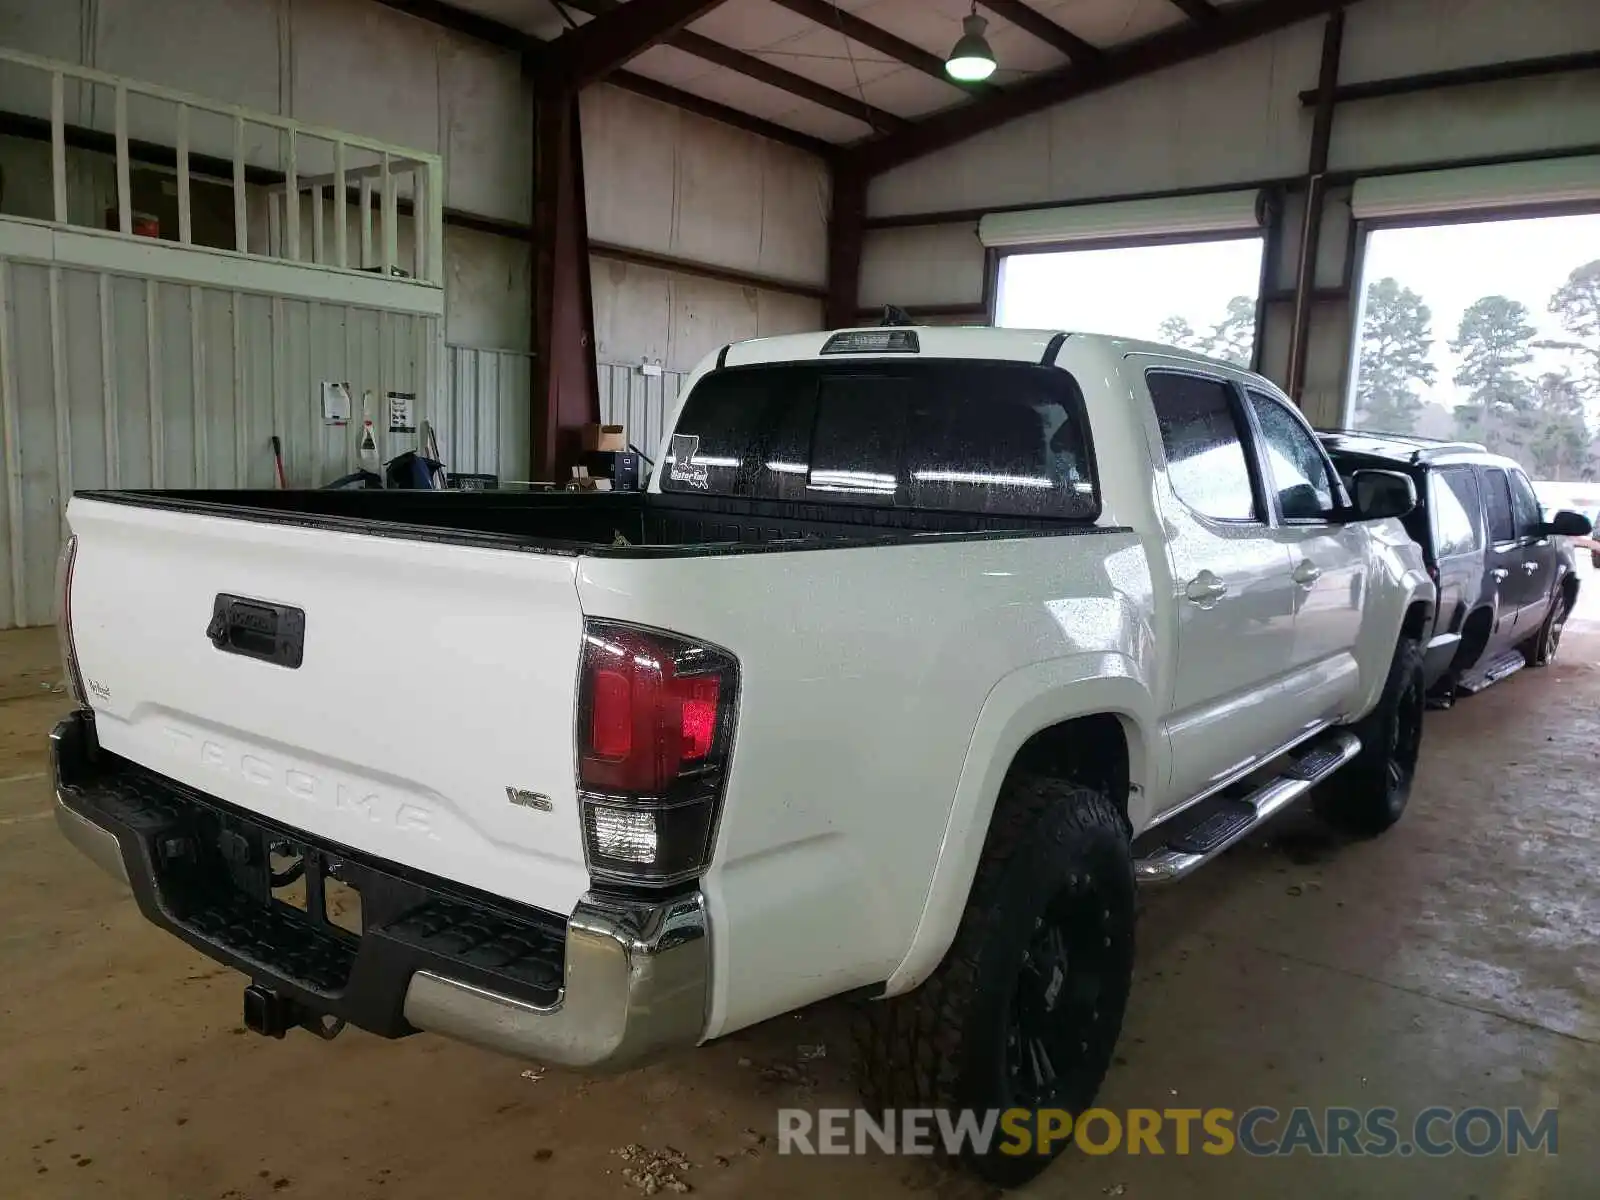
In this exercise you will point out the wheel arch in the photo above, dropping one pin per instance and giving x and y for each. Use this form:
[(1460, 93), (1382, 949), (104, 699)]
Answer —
[(1098, 717)]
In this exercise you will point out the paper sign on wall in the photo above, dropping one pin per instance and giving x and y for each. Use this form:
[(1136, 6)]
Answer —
[(335, 402), (402, 418)]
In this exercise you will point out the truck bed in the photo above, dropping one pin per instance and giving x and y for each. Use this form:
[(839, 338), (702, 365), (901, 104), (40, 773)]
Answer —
[(610, 523)]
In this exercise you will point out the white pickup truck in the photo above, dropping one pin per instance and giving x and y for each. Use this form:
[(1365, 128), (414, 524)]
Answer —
[(922, 648)]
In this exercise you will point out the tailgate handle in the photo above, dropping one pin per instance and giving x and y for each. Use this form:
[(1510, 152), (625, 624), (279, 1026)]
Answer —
[(274, 633)]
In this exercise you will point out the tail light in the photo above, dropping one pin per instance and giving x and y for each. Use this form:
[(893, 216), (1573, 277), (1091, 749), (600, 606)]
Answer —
[(64, 639), (655, 725)]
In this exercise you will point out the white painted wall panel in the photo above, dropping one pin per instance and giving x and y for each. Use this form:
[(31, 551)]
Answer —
[(484, 111), (927, 264), (226, 49), (106, 386), (642, 314), (360, 66), (669, 182), (487, 288), (1410, 37), (1509, 118)]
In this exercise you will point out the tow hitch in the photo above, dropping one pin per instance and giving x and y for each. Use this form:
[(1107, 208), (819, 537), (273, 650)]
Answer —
[(272, 1015)]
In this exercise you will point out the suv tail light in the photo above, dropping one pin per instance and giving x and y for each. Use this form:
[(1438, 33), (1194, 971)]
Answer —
[(64, 640), (655, 725)]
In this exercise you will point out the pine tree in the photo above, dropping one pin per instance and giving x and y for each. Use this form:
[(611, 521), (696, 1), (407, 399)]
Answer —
[(1493, 342), (1558, 448), (1230, 339), (1396, 337), (1576, 304)]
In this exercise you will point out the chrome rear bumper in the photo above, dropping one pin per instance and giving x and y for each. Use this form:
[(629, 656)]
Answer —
[(635, 974)]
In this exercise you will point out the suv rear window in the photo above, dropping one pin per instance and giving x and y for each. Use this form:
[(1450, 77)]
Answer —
[(993, 438)]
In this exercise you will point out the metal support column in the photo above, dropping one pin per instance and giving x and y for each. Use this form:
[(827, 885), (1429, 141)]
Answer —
[(1316, 191), (566, 393), (846, 223)]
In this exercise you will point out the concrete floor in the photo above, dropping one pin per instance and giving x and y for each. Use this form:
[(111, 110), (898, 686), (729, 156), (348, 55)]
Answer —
[(1453, 962)]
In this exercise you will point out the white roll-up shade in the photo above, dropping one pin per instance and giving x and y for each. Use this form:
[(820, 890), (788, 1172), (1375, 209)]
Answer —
[(1469, 189), (1171, 216)]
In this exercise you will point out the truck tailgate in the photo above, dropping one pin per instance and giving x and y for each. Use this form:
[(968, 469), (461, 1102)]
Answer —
[(432, 680)]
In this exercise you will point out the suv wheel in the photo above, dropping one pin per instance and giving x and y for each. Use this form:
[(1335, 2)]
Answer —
[(1026, 1007), (1369, 794), (1542, 648)]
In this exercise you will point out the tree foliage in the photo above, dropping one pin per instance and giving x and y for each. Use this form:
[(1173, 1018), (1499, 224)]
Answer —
[(1492, 344), (1396, 341), (1576, 304), (1230, 339)]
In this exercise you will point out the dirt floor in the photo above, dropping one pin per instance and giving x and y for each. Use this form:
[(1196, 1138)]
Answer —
[(1453, 962)]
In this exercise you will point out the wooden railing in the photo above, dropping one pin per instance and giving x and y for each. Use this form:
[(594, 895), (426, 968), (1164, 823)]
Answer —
[(387, 173)]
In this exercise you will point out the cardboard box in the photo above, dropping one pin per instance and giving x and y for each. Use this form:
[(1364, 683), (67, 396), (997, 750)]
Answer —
[(605, 438)]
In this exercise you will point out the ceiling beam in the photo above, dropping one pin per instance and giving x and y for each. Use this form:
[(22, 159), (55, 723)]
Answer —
[(1182, 43), (828, 14), (1404, 85), (494, 33), (470, 24), (643, 85), (590, 52), (1037, 25), (1199, 11), (760, 70)]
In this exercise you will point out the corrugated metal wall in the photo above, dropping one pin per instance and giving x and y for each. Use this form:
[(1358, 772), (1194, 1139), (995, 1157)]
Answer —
[(113, 381), (639, 402), (485, 421)]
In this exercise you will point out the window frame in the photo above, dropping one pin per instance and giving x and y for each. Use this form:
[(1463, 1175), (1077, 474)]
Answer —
[(1244, 422), (1341, 503)]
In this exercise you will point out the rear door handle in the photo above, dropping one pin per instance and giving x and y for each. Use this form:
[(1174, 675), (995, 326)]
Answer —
[(1499, 574), (1307, 573), (1532, 568), (1205, 587)]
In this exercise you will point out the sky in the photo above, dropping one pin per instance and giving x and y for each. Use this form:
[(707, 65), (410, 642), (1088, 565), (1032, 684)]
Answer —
[(1128, 291)]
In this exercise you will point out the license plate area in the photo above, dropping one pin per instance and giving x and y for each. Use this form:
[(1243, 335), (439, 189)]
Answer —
[(307, 881)]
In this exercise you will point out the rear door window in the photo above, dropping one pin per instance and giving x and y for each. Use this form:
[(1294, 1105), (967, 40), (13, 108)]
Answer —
[(993, 438), (1457, 520), (1204, 443), (1497, 505)]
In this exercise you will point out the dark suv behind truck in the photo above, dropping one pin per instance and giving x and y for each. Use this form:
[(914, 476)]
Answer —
[(1505, 571)]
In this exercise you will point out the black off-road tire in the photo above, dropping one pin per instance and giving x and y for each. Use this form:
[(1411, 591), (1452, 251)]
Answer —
[(1056, 879), (1368, 795)]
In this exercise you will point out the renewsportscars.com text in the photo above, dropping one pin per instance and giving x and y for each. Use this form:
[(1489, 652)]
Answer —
[(1261, 1132)]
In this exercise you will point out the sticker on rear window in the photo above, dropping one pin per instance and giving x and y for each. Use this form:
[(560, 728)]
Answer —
[(683, 468)]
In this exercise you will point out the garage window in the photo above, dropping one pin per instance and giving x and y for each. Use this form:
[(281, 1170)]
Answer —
[(1183, 271)]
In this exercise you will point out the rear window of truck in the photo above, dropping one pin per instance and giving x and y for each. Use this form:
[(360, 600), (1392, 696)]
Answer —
[(955, 435)]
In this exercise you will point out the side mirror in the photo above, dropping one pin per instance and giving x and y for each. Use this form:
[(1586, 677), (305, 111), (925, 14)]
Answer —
[(1380, 494), (1567, 523)]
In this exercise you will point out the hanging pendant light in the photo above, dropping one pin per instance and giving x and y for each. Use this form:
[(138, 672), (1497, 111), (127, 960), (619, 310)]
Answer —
[(971, 60)]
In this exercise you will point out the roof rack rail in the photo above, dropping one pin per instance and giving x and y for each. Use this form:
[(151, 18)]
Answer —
[(1437, 447)]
